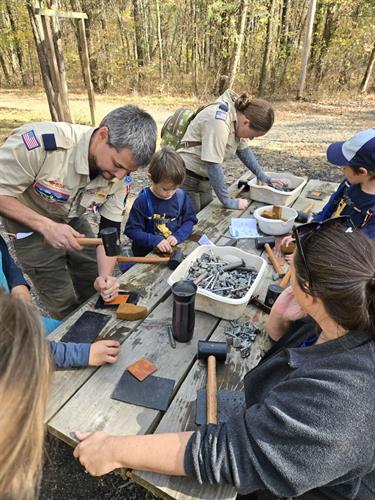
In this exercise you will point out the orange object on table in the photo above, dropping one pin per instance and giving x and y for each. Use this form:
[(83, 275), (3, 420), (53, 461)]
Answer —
[(142, 368), (119, 299)]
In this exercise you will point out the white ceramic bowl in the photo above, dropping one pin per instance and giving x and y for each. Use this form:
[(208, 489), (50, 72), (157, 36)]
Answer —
[(276, 226)]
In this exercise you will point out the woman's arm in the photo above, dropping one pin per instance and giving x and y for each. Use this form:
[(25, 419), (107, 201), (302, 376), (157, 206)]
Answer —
[(101, 453), (216, 175), (250, 161)]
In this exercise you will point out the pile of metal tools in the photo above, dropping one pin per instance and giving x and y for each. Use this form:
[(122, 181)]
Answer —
[(241, 336), (230, 280)]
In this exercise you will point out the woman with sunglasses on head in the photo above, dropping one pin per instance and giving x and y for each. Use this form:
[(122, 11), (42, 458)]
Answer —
[(308, 430), (215, 135)]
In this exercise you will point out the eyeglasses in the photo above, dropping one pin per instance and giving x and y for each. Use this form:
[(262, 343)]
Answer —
[(305, 230)]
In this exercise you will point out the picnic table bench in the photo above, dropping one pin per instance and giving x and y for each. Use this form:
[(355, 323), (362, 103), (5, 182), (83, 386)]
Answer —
[(80, 398)]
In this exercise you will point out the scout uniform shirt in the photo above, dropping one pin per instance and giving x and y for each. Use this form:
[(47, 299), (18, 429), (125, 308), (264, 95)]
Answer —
[(45, 166), (215, 128)]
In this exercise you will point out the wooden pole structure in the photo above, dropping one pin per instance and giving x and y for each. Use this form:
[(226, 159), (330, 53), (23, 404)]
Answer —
[(38, 34), (306, 48), (57, 90), (61, 97)]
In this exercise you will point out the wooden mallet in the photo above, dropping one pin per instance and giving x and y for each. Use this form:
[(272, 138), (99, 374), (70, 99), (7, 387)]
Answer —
[(213, 352)]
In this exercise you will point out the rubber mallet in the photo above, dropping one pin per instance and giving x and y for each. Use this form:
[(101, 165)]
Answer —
[(242, 186), (267, 243), (110, 240), (213, 352), (303, 215)]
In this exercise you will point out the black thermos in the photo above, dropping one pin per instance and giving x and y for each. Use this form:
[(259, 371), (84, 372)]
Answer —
[(183, 319)]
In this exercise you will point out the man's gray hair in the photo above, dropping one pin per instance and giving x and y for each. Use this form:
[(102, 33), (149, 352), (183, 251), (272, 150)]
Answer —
[(132, 128)]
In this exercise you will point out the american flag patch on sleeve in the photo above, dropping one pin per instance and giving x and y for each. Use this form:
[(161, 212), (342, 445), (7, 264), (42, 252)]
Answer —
[(30, 140)]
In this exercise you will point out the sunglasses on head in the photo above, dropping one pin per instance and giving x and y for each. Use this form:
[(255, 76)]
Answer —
[(303, 231)]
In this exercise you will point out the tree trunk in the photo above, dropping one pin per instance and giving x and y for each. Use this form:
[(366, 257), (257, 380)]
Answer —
[(370, 66), (195, 46), (267, 51), (5, 69), (236, 59), (160, 44), (17, 45), (306, 48)]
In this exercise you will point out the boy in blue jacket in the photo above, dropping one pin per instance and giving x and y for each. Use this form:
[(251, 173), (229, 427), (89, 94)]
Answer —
[(65, 355), (161, 216), (356, 194)]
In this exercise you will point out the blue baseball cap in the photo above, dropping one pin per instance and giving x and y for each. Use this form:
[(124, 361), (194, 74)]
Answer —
[(358, 151)]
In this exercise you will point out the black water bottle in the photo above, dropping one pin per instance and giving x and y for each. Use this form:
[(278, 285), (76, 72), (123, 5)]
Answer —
[(183, 319)]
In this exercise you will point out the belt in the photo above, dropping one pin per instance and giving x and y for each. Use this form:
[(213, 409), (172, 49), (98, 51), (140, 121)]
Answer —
[(190, 173)]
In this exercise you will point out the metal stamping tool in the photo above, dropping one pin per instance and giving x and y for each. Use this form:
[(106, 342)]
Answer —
[(171, 338)]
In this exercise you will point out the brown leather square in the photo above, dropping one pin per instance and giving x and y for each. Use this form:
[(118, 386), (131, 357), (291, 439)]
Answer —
[(119, 299), (142, 368)]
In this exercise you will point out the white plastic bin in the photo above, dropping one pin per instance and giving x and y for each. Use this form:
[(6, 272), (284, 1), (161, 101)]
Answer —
[(276, 227), (211, 303), (267, 194)]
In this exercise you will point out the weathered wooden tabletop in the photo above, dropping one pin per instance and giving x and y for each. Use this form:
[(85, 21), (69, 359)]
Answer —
[(80, 398)]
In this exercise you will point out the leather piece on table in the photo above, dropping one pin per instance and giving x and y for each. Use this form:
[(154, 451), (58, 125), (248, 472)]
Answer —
[(153, 392), (86, 328), (228, 403), (131, 312), (142, 368)]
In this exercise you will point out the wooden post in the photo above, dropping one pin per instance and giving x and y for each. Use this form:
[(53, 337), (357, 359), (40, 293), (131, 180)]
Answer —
[(306, 48), (60, 103), (86, 68), (52, 64), (43, 62)]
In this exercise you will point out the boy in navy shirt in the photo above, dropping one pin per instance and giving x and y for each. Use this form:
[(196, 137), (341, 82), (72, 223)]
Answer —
[(161, 216), (356, 194)]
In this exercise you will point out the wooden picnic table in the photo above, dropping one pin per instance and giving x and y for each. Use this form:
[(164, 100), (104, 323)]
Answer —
[(80, 398)]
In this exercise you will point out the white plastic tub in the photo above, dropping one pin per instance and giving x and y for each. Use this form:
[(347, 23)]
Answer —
[(276, 226), (267, 194), (209, 302)]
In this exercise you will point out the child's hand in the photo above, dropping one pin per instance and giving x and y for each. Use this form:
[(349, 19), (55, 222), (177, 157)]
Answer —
[(172, 240), (104, 351), (164, 246)]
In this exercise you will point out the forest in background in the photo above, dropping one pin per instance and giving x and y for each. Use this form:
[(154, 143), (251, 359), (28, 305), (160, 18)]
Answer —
[(200, 47)]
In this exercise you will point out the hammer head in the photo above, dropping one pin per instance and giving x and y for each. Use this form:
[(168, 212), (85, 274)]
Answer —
[(302, 216), (260, 242), (176, 258), (244, 184), (217, 349), (111, 241)]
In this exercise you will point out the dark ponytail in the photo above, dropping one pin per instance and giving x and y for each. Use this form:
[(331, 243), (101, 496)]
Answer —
[(257, 111), (342, 270)]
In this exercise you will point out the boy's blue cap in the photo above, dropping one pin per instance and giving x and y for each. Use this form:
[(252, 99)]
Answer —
[(358, 151)]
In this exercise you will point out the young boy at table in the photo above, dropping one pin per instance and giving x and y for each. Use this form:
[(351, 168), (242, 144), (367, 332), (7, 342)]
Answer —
[(355, 196), (161, 216), (65, 354)]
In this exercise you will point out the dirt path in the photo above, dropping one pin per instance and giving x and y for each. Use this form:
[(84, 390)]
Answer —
[(297, 143)]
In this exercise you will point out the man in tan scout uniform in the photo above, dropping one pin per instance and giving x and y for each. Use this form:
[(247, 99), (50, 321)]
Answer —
[(215, 135), (51, 174)]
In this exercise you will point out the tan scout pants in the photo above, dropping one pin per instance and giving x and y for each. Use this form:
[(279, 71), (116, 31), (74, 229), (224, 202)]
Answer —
[(62, 279), (199, 192)]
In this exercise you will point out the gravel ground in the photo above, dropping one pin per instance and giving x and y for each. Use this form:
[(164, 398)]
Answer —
[(297, 143)]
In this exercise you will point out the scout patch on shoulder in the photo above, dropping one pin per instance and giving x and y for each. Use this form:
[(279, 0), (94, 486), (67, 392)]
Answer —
[(30, 140), (221, 115)]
